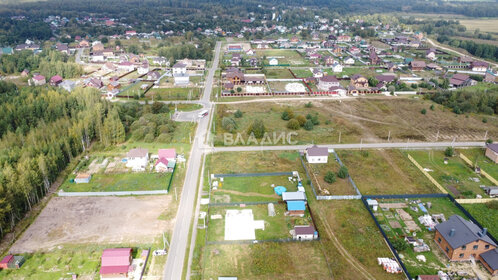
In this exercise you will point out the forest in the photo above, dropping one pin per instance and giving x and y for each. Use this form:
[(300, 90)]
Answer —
[(41, 131), (469, 100)]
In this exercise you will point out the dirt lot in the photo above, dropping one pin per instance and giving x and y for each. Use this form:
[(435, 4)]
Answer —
[(96, 220)]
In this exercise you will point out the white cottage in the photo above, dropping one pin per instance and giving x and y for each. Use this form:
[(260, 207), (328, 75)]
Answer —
[(137, 159), (317, 154)]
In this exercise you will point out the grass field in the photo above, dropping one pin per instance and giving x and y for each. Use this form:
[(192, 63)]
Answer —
[(120, 182), (483, 212), (252, 162), (477, 156), (266, 261), (385, 172), (278, 74), (454, 176), (339, 187), (486, 25), (291, 57), (276, 227), (174, 93), (370, 119), (245, 189), (302, 73), (359, 236)]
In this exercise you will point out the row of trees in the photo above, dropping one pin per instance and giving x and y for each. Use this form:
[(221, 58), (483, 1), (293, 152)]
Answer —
[(42, 131), (469, 100)]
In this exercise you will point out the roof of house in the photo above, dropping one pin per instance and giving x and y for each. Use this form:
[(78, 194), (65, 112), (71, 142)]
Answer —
[(329, 79), (83, 176), (7, 259), (56, 78), (138, 152), (179, 65), (114, 269), (116, 260), (293, 196), (464, 233), (491, 258), (304, 230), (493, 147), (296, 205), (166, 153), (161, 160), (479, 63), (428, 277), (418, 63), (316, 151), (39, 77), (385, 78), (357, 76)]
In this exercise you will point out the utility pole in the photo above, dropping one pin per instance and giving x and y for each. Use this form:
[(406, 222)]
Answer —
[(486, 136), (437, 136), (176, 196), (389, 136), (340, 137), (361, 143)]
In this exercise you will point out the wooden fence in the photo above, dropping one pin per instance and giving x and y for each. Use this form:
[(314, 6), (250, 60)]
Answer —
[(443, 190)]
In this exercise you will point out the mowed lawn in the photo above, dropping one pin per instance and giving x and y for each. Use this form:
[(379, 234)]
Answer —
[(385, 172), (290, 57), (276, 261), (356, 232), (246, 189), (174, 93), (456, 176), (253, 162), (478, 156), (120, 182), (484, 213)]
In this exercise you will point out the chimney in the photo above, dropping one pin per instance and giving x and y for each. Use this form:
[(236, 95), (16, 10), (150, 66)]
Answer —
[(483, 232), (452, 232)]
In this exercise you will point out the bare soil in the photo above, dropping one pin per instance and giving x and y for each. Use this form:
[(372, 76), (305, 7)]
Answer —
[(96, 220)]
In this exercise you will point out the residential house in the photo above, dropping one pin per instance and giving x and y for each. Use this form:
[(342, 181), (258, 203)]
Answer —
[(235, 76), (38, 80), (374, 58), (317, 73), (492, 152), (153, 76), (180, 74), (194, 64), (317, 154), (462, 240), (479, 66), (113, 86), (431, 54), (489, 78), (417, 65), (83, 178), (305, 233), (338, 90), (68, 85), (354, 50), (126, 66), (25, 73), (235, 48), (137, 159), (94, 82), (133, 58), (329, 60), (344, 38), (461, 80), (98, 47), (358, 81), (336, 67), (115, 263), (143, 68), (159, 61), (161, 165), (97, 56), (84, 44), (253, 62), (55, 80), (273, 61), (386, 79), (63, 48), (109, 66), (296, 208), (252, 79), (108, 53), (349, 60), (12, 262), (169, 154), (326, 82)]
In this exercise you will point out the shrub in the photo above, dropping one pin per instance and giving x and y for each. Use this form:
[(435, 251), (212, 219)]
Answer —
[(239, 89), (449, 152), (329, 177), (308, 105), (258, 128), (492, 204), (423, 111), (432, 107), (308, 125), (489, 141), (229, 124), (343, 172), (238, 114), (301, 119), (399, 244), (293, 124), (484, 120), (315, 120), (287, 114)]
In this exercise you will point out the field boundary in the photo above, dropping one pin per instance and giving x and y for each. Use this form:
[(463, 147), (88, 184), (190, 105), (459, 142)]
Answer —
[(475, 200), (401, 196), (253, 174), (443, 190), (484, 173)]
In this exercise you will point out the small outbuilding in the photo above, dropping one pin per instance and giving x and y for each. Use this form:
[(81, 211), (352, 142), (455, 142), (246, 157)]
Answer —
[(296, 208), (490, 261), (12, 262), (82, 178), (305, 233), (317, 154), (492, 152), (293, 196), (373, 203)]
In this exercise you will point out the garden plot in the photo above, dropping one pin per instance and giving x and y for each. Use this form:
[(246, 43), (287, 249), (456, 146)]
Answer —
[(295, 87), (478, 157), (287, 87), (249, 189), (100, 220), (284, 57), (255, 89), (454, 175), (409, 218), (339, 187), (385, 172)]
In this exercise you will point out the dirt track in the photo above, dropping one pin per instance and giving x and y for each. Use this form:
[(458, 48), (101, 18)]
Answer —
[(95, 220)]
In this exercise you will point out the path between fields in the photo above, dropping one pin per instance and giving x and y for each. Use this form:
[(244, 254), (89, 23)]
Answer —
[(248, 193), (348, 257), (457, 52)]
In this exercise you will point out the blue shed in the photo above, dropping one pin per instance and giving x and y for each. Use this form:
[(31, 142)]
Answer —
[(297, 205), (279, 190)]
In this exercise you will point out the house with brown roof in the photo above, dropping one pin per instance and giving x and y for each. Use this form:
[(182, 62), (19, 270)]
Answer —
[(417, 65), (358, 81), (55, 80), (461, 80), (317, 154), (479, 66), (492, 152), (462, 240), (304, 233), (326, 82), (38, 80), (489, 78), (137, 159), (374, 58)]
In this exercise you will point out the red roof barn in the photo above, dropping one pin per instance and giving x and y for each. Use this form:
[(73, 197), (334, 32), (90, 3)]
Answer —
[(116, 263)]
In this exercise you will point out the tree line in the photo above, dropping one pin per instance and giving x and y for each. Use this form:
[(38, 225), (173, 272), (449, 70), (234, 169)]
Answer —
[(469, 100), (41, 131)]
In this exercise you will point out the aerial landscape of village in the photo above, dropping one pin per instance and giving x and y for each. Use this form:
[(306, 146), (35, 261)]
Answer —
[(230, 139)]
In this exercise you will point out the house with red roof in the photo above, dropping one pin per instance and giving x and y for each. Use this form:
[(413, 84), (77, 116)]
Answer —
[(38, 80), (166, 160), (169, 154), (115, 263), (55, 80)]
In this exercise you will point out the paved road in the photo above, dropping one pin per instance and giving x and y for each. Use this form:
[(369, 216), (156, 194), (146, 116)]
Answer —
[(460, 53), (410, 145), (174, 265), (78, 55)]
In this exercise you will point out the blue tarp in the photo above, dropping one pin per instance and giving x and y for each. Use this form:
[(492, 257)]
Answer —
[(296, 206), (422, 207), (279, 190)]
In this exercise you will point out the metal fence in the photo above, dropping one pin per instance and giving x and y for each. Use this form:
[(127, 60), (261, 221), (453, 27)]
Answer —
[(253, 174), (118, 193), (281, 240), (245, 203), (338, 197)]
